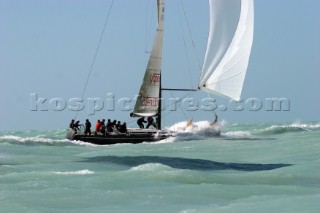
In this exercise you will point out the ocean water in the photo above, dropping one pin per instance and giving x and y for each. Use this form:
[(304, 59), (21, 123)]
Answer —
[(249, 168)]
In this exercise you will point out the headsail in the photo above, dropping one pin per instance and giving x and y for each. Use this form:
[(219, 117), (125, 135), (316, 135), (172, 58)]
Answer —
[(149, 95), (229, 46)]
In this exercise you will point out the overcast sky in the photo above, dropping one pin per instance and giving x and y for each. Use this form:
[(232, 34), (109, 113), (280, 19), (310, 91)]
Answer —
[(47, 47)]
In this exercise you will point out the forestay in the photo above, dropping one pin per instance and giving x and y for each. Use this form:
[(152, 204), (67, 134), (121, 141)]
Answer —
[(148, 100), (228, 48)]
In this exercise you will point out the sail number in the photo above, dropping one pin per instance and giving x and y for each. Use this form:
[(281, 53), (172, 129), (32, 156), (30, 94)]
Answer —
[(149, 102), (155, 78)]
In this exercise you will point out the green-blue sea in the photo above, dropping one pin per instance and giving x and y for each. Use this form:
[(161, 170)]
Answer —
[(265, 167)]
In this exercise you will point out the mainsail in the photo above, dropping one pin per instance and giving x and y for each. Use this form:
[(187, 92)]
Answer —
[(149, 95), (228, 48)]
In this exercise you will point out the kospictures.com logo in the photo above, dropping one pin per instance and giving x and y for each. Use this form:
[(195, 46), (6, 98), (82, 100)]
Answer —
[(111, 103)]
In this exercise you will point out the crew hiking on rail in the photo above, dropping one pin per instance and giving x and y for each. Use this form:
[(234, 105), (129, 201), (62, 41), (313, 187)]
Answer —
[(100, 128), (114, 126)]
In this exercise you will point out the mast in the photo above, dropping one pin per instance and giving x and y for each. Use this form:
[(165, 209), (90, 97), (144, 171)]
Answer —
[(159, 107), (160, 22)]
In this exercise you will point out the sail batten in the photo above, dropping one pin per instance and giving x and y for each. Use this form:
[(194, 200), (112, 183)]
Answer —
[(228, 48)]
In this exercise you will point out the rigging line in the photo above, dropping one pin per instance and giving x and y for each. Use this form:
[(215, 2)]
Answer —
[(181, 98), (96, 52), (146, 35), (164, 115), (193, 44), (149, 16), (212, 110), (188, 64), (186, 52), (185, 116), (218, 81)]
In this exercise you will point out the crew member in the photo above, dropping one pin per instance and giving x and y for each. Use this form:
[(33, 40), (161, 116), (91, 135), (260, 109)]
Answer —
[(150, 122), (88, 127), (140, 122), (98, 126)]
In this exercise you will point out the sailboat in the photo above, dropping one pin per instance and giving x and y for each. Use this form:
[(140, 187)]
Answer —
[(223, 71)]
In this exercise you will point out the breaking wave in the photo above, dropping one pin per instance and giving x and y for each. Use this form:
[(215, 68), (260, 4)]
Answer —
[(149, 167), (18, 139), (40, 140), (238, 134), (287, 128), (81, 172), (202, 130), (196, 131)]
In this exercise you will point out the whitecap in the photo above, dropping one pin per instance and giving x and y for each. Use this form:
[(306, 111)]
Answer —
[(149, 167), (238, 134), (80, 172), (31, 139), (197, 131), (83, 143)]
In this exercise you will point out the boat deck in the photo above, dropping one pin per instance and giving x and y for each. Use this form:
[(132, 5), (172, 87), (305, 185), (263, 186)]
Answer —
[(133, 136)]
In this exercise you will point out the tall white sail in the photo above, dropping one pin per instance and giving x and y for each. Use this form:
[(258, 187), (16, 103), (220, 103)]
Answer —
[(229, 46), (148, 100)]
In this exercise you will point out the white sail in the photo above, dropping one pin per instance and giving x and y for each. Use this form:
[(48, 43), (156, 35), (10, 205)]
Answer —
[(148, 100), (229, 46)]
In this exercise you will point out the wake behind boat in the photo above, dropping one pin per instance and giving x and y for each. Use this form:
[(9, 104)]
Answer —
[(223, 71)]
